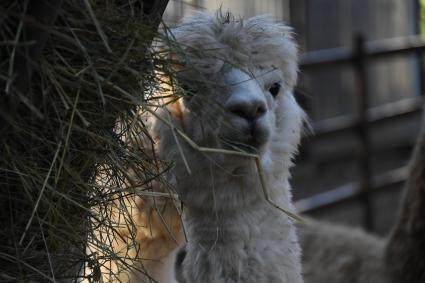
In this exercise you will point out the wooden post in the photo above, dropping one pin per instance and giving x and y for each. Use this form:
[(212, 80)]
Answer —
[(359, 63)]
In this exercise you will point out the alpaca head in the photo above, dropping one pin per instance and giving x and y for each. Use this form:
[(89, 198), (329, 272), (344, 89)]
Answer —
[(237, 77)]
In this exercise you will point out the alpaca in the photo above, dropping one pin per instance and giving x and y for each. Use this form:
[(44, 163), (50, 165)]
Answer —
[(239, 110), (239, 76)]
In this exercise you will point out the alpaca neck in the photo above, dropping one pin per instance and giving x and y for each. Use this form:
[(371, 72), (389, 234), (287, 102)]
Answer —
[(216, 188), (252, 222), (233, 233), (237, 236)]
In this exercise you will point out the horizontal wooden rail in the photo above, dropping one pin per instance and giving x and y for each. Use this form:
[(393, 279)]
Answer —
[(372, 50), (350, 191), (374, 115)]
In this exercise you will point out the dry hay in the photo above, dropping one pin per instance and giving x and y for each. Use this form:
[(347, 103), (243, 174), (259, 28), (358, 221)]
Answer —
[(67, 128)]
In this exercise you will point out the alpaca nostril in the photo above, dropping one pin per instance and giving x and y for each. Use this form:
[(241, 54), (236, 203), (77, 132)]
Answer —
[(261, 110), (248, 111), (238, 112)]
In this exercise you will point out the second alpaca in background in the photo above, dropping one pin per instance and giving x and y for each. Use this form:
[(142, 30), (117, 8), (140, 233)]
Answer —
[(337, 254)]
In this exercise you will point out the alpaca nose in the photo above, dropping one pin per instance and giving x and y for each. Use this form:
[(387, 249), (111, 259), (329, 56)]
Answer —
[(248, 109)]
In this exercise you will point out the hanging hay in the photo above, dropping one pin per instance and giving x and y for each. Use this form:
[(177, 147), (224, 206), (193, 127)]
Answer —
[(70, 168)]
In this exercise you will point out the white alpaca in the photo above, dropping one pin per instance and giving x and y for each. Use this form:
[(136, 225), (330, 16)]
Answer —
[(240, 76), (242, 73)]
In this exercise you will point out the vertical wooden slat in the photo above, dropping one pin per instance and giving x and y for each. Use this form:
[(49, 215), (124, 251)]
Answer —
[(362, 130)]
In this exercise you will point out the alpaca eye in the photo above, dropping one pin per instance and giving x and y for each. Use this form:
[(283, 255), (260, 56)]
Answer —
[(274, 89)]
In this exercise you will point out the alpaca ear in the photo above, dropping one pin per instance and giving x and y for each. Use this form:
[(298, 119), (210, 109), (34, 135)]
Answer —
[(174, 114), (176, 109)]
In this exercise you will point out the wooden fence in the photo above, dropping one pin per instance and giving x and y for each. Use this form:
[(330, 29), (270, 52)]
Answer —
[(360, 57)]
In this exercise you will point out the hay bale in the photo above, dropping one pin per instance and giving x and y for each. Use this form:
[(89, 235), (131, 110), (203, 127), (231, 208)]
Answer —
[(96, 68)]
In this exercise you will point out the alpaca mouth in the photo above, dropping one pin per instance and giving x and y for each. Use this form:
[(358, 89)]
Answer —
[(251, 145)]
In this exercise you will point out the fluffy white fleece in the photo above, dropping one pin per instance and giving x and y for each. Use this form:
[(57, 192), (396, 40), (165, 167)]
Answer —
[(233, 234), (338, 254)]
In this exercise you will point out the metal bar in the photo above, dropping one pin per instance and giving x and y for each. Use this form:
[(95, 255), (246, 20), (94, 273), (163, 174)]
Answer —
[(350, 192), (372, 50)]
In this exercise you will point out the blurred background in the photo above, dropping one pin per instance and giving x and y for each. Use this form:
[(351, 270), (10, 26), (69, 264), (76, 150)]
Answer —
[(361, 83)]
